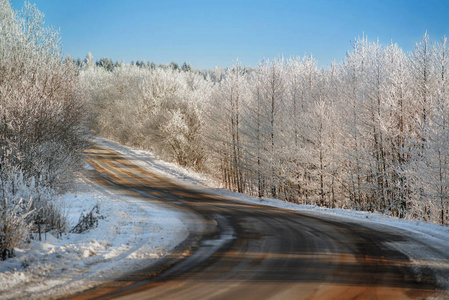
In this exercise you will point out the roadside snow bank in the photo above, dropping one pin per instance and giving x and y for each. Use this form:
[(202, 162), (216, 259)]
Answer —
[(132, 233)]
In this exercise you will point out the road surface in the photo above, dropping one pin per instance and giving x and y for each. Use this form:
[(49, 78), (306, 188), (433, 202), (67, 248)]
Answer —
[(257, 252)]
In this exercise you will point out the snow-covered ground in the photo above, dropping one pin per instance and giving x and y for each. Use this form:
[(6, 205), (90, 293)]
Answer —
[(134, 231), (131, 233)]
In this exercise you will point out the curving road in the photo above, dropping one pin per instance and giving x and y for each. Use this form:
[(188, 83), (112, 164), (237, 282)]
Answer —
[(256, 252)]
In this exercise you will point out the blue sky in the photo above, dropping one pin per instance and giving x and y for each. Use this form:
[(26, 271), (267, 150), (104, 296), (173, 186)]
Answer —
[(215, 33)]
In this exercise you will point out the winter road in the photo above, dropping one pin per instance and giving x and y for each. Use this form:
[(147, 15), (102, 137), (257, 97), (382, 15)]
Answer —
[(255, 252)]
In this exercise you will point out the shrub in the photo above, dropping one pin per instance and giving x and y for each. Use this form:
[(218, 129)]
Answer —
[(88, 220), (14, 226), (26, 205)]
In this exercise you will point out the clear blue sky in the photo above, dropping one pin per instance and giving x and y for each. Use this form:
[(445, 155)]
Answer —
[(215, 33)]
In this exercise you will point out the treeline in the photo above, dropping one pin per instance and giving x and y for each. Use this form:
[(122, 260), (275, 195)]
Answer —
[(159, 109), (42, 128), (108, 64), (369, 133)]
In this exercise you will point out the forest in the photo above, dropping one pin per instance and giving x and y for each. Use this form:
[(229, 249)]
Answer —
[(368, 133)]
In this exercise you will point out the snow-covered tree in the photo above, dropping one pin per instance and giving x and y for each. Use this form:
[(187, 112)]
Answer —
[(157, 109), (41, 121), (224, 117)]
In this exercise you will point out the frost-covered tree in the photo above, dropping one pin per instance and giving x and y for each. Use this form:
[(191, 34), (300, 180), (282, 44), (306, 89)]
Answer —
[(163, 104), (422, 70), (263, 124), (434, 168), (356, 156), (224, 116), (39, 91), (41, 121)]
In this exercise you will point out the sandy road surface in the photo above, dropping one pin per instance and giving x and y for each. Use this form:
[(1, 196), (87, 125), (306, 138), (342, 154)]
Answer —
[(257, 252)]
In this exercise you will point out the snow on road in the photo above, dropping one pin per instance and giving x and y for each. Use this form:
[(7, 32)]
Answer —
[(133, 232)]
